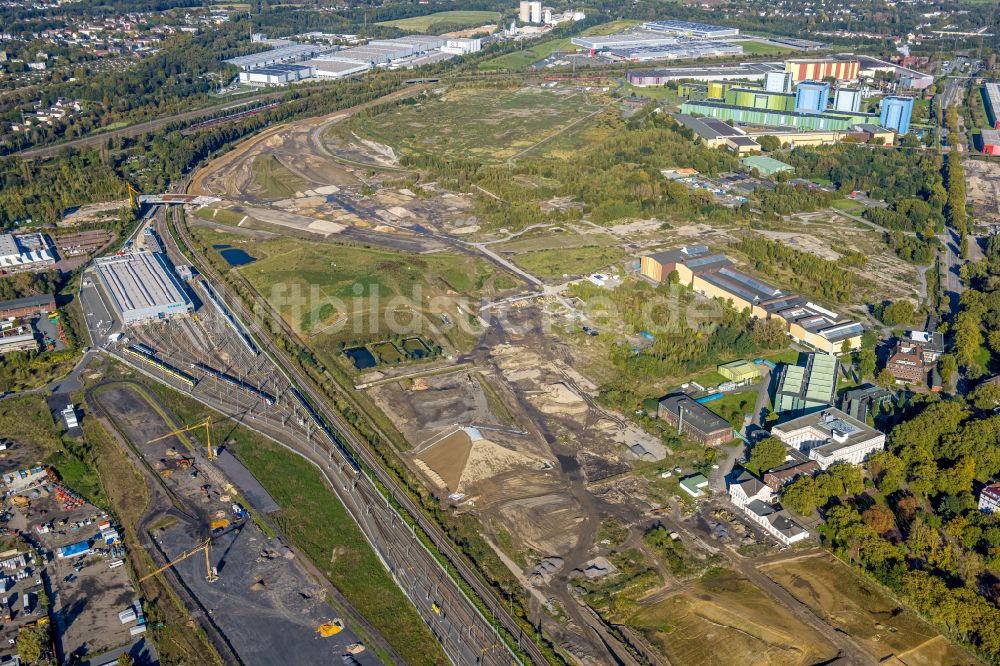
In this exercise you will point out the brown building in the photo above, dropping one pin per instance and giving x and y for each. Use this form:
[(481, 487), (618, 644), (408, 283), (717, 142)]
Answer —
[(693, 420), (26, 307), (782, 476), (906, 363)]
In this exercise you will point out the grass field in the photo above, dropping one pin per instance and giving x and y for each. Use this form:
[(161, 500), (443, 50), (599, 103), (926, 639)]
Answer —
[(488, 125), (275, 180), (862, 609), (849, 206), (316, 521), (762, 48), (220, 215), (332, 293), (556, 263), (725, 619), (469, 19)]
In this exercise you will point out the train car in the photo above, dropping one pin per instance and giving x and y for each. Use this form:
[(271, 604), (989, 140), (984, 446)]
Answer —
[(145, 349), (176, 373), (238, 383), (321, 423)]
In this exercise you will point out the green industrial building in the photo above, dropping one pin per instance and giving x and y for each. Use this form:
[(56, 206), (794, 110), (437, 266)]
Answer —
[(829, 120), (809, 388), (741, 372), (760, 99), (766, 166)]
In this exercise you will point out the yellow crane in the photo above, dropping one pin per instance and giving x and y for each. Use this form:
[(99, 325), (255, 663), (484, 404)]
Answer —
[(210, 575), (133, 196), (206, 424)]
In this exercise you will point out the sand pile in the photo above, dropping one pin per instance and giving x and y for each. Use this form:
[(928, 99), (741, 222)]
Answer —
[(464, 457)]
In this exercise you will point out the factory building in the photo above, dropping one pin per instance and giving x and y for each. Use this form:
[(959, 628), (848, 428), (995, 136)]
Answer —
[(17, 335), (28, 306), (141, 286), (277, 75), (991, 99), (689, 29), (755, 98), (462, 46), (847, 100), (291, 52), (830, 121), (25, 252), (693, 420), (812, 96), (383, 52), (530, 11), (803, 389), (829, 437), (715, 276), (896, 113), (817, 69), (659, 77)]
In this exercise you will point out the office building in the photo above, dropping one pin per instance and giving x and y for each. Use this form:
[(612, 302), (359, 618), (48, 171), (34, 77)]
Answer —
[(755, 498), (803, 389), (812, 96), (689, 29), (141, 286), (829, 437), (25, 252), (693, 420), (847, 100), (864, 400), (896, 113), (817, 69)]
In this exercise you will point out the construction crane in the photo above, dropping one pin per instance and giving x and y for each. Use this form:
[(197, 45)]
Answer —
[(133, 196), (210, 575), (206, 424)]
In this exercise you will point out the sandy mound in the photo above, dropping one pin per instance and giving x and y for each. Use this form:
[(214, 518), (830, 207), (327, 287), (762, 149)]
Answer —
[(465, 457), (558, 398)]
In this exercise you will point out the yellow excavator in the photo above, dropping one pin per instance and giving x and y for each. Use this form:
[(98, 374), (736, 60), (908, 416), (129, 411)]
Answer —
[(331, 628)]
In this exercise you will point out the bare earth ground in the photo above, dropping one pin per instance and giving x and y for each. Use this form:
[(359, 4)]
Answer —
[(982, 181)]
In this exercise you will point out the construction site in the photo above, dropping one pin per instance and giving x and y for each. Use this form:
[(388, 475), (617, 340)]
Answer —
[(247, 587)]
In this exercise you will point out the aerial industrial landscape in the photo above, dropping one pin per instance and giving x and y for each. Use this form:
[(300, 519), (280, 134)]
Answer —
[(498, 332)]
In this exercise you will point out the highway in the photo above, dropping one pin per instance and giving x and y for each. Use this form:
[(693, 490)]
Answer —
[(467, 636)]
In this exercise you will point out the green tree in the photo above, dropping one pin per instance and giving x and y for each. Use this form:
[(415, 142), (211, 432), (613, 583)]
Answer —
[(769, 143), (867, 362), (765, 455), (898, 313), (801, 496), (885, 379), (31, 642)]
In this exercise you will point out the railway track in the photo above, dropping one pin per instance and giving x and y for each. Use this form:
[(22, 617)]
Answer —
[(486, 593)]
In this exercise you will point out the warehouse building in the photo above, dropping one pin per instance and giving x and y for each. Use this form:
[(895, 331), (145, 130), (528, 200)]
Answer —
[(991, 141), (694, 420), (141, 286), (817, 69), (803, 389), (746, 71), (682, 51), (765, 165), (17, 335), (625, 40), (28, 306), (828, 121), (25, 252), (276, 56), (689, 29), (715, 133), (379, 52), (277, 75), (991, 100), (741, 372), (829, 437), (715, 276)]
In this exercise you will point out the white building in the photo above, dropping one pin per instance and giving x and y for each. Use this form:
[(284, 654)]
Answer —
[(69, 416), (462, 46), (277, 75), (989, 498), (830, 436), (530, 11), (26, 252), (754, 498)]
